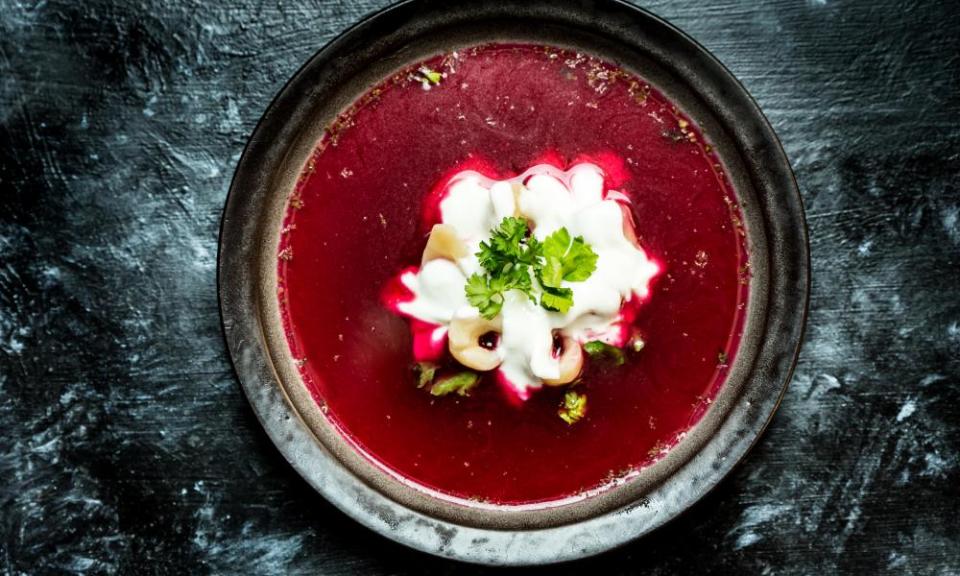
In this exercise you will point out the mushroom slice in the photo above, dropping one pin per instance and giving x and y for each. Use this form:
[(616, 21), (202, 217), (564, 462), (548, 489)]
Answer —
[(629, 225), (465, 338), (444, 243), (571, 362), (517, 190)]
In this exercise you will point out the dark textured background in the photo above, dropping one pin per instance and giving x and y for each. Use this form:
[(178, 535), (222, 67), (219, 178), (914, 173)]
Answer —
[(128, 447)]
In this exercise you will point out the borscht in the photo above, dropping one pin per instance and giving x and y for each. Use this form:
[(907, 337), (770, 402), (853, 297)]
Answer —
[(513, 274)]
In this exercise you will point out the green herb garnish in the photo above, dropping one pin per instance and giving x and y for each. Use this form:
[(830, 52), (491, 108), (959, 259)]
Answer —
[(557, 299), (512, 258), (485, 293), (461, 383), (573, 408), (425, 373), (431, 76), (598, 349), (564, 258), (510, 249), (567, 258)]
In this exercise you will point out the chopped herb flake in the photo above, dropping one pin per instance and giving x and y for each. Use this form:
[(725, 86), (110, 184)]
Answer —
[(425, 373), (573, 408), (461, 383), (431, 76), (598, 349)]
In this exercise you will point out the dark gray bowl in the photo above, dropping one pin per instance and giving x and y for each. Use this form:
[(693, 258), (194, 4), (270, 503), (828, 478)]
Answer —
[(616, 32)]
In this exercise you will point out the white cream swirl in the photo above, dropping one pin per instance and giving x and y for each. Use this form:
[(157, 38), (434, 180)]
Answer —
[(550, 199)]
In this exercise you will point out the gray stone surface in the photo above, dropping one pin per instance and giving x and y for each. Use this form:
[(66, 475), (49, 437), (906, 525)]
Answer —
[(128, 447)]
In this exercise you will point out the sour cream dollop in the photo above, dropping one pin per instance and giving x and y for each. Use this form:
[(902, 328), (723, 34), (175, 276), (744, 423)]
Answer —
[(550, 199)]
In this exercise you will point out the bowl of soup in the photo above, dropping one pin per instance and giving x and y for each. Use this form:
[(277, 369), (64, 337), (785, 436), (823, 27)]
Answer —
[(513, 283)]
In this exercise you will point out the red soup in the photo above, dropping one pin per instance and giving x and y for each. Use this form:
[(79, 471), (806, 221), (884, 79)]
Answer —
[(360, 216)]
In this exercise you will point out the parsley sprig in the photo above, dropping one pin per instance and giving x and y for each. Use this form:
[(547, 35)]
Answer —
[(513, 259)]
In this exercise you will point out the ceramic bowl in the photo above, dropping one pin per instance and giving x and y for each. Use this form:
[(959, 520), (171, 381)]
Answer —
[(614, 31)]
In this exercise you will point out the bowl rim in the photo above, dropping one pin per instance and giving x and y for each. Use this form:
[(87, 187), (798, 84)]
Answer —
[(246, 251)]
